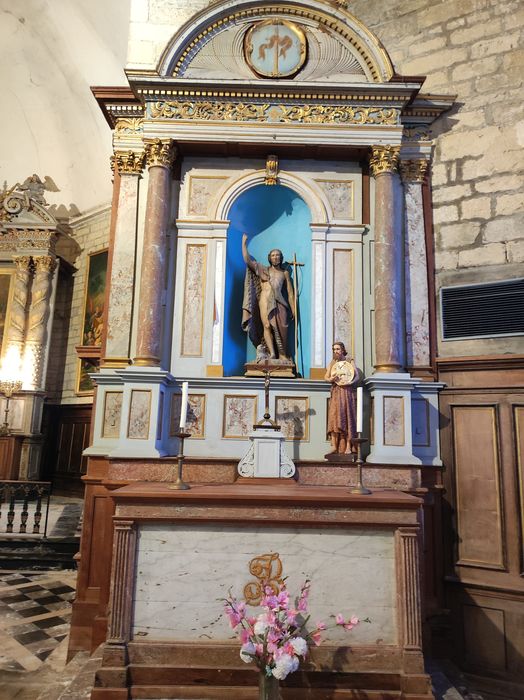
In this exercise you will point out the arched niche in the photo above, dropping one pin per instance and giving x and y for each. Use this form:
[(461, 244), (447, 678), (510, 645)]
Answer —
[(338, 39), (273, 217)]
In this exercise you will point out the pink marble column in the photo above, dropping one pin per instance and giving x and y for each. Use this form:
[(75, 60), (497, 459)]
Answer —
[(160, 156), (389, 258), (413, 173)]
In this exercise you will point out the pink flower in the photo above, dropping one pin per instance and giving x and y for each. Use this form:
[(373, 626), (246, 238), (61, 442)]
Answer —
[(245, 636), (292, 616), (321, 625), (339, 619), (316, 637)]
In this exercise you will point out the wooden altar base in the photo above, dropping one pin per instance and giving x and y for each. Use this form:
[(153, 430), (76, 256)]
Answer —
[(136, 665)]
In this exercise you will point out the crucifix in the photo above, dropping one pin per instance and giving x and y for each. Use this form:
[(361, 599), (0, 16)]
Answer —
[(295, 266)]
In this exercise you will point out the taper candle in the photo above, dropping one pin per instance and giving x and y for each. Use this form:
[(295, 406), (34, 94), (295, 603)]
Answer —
[(359, 409), (183, 407)]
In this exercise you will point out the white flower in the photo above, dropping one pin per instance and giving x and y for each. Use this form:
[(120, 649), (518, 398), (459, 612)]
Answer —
[(299, 645), (245, 650), (284, 665), (260, 627)]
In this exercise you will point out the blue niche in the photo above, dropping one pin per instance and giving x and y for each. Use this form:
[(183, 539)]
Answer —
[(273, 217)]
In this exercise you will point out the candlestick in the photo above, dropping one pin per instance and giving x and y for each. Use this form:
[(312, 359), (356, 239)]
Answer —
[(359, 488), (359, 409), (178, 484), (183, 407)]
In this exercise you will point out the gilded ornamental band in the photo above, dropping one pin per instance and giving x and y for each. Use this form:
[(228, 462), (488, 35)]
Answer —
[(274, 113), (384, 159)]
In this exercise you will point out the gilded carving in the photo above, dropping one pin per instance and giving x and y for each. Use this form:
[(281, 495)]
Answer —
[(267, 569), (160, 153), (271, 170), (129, 125), (16, 330), (128, 162), (413, 170), (275, 113), (420, 132), (384, 159)]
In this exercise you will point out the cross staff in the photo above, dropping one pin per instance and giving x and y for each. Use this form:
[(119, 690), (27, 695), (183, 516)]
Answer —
[(296, 265)]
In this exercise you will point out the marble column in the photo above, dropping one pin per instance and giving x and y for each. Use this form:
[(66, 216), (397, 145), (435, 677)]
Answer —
[(160, 156), (121, 277), (18, 309), (38, 317), (413, 173), (389, 258)]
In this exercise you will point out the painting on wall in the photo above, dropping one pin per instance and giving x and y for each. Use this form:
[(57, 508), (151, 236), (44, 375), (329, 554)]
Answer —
[(84, 383), (5, 289), (94, 299), (239, 416), (196, 415), (292, 414)]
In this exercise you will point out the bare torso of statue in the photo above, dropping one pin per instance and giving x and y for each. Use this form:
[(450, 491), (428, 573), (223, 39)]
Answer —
[(266, 310)]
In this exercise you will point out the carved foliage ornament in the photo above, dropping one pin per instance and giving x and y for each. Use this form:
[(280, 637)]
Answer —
[(413, 170), (160, 153), (384, 159), (274, 113), (128, 162)]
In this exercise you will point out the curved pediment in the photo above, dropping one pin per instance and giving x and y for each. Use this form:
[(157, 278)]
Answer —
[(21, 207), (216, 45)]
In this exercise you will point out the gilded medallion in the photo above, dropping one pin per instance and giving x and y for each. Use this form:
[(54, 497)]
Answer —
[(344, 372), (275, 48)]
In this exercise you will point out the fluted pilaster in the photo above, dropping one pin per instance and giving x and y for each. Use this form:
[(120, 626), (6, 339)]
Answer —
[(408, 566), (159, 156), (122, 583), (389, 257)]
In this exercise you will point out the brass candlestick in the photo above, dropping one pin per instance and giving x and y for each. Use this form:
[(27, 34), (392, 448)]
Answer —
[(8, 387), (359, 488), (180, 485)]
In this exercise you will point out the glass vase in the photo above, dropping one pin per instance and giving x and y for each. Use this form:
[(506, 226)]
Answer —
[(268, 687)]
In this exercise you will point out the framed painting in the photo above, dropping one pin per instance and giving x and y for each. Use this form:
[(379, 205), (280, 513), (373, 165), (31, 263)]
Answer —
[(240, 413), (84, 383), (94, 299), (196, 415)]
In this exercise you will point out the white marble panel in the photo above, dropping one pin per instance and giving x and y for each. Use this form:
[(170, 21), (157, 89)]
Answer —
[(194, 298), (417, 301), (122, 271), (216, 354), (112, 414), (139, 414), (183, 572), (343, 298)]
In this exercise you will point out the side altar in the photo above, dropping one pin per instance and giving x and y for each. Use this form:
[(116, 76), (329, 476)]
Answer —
[(263, 218)]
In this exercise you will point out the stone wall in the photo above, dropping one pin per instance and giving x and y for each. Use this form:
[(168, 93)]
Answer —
[(471, 48)]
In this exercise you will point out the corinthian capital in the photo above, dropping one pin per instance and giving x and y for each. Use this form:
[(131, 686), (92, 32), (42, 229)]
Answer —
[(128, 162), (44, 263), (22, 262), (160, 152), (413, 170), (384, 159)]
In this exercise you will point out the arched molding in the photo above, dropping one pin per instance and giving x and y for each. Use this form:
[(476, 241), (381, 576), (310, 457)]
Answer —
[(200, 28), (309, 191)]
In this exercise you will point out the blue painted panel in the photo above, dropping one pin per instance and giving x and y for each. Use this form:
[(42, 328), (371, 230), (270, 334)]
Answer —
[(273, 217)]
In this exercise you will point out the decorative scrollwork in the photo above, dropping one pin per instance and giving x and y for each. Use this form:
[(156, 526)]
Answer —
[(275, 113), (267, 569)]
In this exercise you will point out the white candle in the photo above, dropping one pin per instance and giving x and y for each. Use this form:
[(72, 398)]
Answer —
[(359, 409), (183, 406)]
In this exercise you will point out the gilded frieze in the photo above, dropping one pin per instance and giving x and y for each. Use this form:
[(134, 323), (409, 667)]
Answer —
[(274, 113)]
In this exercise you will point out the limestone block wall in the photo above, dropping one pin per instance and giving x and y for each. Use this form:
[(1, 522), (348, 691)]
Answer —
[(90, 234), (471, 48)]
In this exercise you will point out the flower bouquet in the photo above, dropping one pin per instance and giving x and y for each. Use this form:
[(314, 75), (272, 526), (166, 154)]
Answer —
[(277, 638)]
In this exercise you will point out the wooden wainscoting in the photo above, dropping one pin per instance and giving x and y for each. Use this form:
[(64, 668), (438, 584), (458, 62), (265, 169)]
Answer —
[(482, 439)]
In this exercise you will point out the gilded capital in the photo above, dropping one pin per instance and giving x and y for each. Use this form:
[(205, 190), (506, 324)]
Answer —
[(160, 152), (22, 262), (44, 263), (128, 162), (384, 159), (414, 170)]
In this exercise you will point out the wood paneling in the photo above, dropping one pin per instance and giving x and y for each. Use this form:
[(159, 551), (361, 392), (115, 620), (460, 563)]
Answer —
[(518, 423), (484, 637), (477, 486)]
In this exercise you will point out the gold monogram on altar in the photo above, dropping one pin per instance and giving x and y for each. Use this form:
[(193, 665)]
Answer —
[(267, 568), (343, 371)]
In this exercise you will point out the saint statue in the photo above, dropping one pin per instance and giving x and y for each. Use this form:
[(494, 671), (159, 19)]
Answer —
[(343, 376), (268, 305)]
